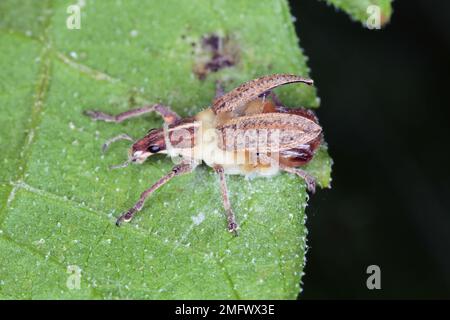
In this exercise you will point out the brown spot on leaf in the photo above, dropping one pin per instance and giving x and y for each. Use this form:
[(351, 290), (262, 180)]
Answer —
[(215, 53)]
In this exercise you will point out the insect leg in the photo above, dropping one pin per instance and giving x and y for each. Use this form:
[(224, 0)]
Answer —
[(108, 142), (166, 113), (231, 219), (178, 170), (220, 90), (275, 98), (309, 179), (252, 89)]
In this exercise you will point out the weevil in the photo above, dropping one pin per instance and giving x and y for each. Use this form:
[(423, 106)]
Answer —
[(246, 131)]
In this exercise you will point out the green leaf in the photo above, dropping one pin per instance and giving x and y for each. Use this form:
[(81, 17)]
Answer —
[(359, 9), (58, 200)]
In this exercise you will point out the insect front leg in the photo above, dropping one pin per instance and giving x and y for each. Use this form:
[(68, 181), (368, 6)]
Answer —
[(169, 116), (231, 219), (177, 170)]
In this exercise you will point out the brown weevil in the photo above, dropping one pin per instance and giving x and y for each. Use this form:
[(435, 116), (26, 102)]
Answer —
[(246, 131)]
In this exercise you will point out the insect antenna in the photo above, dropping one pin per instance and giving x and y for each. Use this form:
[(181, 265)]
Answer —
[(122, 165), (110, 141)]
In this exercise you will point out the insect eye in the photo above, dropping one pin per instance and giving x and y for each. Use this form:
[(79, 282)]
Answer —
[(154, 149)]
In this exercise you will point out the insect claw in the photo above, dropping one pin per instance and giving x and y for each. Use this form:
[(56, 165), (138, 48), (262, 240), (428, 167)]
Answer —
[(311, 185), (232, 228), (121, 219), (126, 217)]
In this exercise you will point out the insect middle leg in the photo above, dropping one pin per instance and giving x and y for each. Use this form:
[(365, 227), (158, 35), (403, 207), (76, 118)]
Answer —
[(231, 219), (177, 170), (169, 116)]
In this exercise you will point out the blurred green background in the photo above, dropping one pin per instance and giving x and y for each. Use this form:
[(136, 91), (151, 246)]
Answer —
[(385, 110)]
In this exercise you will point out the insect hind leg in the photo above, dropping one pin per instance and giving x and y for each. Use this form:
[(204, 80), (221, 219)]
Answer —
[(309, 179)]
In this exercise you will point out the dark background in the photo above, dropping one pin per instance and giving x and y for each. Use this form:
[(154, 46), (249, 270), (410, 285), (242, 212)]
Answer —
[(385, 112)]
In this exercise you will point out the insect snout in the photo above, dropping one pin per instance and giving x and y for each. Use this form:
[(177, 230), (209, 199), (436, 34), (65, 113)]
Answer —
[(137, 156)]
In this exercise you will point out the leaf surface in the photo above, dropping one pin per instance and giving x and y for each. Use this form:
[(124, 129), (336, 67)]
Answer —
[(59, 201)]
